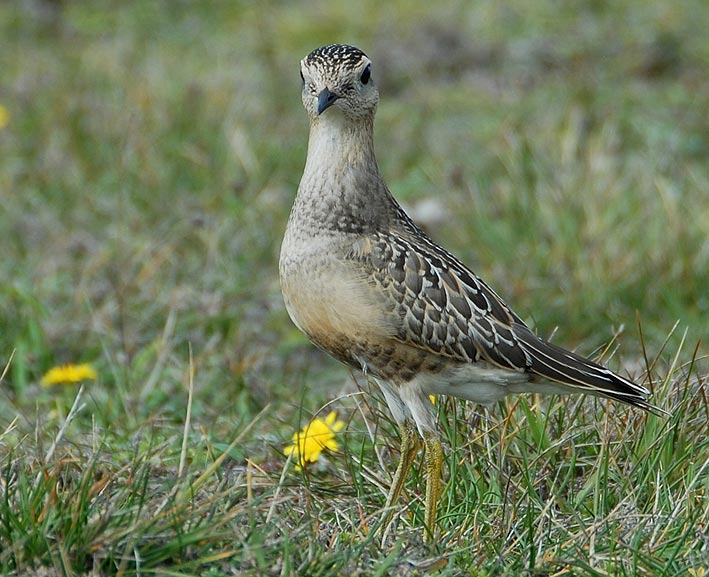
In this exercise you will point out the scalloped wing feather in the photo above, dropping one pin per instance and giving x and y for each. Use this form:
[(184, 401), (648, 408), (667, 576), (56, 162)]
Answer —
[(439, 305)]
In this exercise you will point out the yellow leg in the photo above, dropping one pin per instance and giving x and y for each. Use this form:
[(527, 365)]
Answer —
[(409, 447), (434, 465)]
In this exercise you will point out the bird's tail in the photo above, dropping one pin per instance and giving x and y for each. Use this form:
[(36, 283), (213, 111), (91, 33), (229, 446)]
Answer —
[(579, 373)]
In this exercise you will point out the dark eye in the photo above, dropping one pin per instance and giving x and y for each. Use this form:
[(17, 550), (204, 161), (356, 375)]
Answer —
[(366, 74)]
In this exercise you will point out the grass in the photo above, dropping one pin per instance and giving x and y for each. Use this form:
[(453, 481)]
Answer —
[(146, 174)]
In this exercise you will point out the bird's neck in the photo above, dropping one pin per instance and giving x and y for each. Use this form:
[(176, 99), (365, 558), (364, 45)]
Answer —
[(340, 144), (341, 176)]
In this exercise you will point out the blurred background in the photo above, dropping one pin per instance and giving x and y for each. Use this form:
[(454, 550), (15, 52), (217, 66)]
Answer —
[(150, 153)]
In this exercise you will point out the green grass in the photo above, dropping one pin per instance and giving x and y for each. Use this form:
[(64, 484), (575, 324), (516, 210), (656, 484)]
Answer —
[(146, 174)]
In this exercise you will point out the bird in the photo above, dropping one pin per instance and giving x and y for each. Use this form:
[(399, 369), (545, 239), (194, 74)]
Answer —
[(368, 286)]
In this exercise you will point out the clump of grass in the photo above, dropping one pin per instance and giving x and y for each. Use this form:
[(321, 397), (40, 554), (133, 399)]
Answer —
[(82, 507), (566, 485)]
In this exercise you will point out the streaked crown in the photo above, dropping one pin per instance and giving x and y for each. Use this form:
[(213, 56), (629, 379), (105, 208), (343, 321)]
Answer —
[(335, 56)]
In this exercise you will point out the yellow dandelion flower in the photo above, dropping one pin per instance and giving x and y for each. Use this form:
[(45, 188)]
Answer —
[(432, 398), (4, 117), (318, 435), (65, 374)]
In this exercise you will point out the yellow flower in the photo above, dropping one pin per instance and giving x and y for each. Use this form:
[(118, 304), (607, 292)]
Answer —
[(432, 398), (4, 117), (63, 374), (310, 442)]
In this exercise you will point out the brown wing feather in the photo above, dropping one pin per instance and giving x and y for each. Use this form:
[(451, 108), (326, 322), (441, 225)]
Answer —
[(443, 307), (563, 366)]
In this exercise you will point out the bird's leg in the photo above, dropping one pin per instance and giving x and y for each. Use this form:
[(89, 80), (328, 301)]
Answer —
[(409, 446), (434, 465)]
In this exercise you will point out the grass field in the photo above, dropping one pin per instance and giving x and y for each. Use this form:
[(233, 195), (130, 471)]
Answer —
[(149, 155)]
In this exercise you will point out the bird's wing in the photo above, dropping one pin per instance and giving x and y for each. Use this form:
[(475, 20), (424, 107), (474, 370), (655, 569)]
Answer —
[(439, 305)]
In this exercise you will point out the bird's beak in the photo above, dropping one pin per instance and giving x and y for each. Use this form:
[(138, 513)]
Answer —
[(325, 100)]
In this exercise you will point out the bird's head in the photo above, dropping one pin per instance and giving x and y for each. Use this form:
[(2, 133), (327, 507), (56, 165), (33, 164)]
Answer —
[(339, 77)]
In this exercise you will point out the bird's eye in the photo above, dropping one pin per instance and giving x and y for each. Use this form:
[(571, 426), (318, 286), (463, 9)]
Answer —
[(366, 74)]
